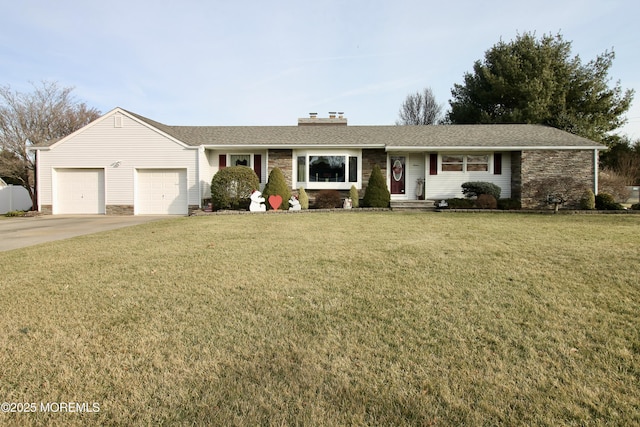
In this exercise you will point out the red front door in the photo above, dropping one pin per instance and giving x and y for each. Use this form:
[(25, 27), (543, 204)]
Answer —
[(397, 175)]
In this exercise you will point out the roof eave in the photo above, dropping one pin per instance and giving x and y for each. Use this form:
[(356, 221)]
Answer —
[(288, 146), (490, 148)]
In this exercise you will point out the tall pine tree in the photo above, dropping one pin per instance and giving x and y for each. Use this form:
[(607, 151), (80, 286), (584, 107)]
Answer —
[(532, 80)]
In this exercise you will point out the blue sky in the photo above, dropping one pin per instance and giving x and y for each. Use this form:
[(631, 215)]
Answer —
[(269, 62)]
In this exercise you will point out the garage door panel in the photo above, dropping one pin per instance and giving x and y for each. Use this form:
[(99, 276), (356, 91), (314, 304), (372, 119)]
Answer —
[(161, 192), (79, 191)]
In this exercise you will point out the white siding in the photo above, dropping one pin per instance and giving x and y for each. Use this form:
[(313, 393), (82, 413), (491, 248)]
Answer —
[(119, 151), (211, 165), (415, 170), (447, 185)]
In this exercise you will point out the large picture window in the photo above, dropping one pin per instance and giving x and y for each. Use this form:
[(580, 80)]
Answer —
[(335, 170), (327, 168)]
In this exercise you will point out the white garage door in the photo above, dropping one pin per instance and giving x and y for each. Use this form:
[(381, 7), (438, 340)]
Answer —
[(79, 191), (161, 192)]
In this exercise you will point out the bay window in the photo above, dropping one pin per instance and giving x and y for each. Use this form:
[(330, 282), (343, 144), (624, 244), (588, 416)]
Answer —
[(328, 170)]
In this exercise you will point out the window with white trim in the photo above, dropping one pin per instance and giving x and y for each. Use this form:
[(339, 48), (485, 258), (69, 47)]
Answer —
[(465, 163), (328, 170)]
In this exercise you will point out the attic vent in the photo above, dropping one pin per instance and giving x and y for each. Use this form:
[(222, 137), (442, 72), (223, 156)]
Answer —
[(117, 121)]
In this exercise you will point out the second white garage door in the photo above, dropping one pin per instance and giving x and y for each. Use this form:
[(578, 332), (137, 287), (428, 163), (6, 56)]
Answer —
[(161, 192)]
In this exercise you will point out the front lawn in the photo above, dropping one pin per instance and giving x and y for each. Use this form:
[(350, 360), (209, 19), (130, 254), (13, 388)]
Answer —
[(376, 318)]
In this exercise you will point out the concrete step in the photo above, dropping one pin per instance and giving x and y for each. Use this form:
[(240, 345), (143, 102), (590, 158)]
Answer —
[(413, 205)]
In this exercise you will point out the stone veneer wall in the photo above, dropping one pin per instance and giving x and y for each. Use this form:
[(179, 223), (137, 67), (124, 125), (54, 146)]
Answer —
[(281, 159), (46, 209), (119, 209), (369, 159), (570, 172), (516, 175)]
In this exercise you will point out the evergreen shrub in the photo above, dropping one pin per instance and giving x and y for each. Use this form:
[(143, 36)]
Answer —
[(477, 188), (354, 196), (509, 204), (588, 200), (458, 203), (232, 186), (376, 195), (303, 198), (606, 202), (276, 185)]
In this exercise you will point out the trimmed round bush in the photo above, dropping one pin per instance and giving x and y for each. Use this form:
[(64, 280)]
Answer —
[(276, 185), (635, 207), (606, 202), (486, 201), (588, 200), (376, 195), (232, 186), (328, 199), (477, 188)]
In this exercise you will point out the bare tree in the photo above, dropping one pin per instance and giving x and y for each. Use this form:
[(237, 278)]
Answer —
[(420, 108), (48, 113)]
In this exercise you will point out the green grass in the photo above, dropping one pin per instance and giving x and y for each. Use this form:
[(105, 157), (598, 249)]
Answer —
[(374, 318)]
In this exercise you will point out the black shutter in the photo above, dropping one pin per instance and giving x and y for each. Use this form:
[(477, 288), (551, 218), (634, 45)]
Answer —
[(497, 163), (433, 164), (257, 166)]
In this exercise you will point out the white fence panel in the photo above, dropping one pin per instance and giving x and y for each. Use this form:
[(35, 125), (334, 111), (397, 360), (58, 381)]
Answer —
[(14, 198)]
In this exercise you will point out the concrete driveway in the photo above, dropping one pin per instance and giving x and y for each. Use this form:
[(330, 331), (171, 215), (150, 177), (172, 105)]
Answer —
[(21, 232)]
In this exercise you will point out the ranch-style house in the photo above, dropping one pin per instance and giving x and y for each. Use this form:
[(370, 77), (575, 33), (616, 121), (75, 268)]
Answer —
[(124, 163)]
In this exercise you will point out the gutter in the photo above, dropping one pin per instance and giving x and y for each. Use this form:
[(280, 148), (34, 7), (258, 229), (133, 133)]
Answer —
[(489, 148), (288, 146)]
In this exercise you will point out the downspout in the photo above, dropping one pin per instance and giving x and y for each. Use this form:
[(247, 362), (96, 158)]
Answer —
[(198, 177), (595, 171)]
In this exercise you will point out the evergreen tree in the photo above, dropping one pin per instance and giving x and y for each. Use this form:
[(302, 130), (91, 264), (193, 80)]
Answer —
[(276, 185), (537, 81), (376, 195)]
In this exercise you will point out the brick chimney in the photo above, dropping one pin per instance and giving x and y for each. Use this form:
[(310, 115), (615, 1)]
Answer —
[(334, 119)]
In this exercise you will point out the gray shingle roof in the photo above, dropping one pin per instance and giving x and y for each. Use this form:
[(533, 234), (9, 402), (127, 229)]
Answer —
[(508, 136)]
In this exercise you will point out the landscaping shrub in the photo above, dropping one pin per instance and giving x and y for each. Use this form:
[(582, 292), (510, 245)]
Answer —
[(458, 203), (354, 196), (328, 199), (486, 201), (232, 186), (610, 182), (303, 198), (509, 204), (477, 188), (635, 207), (588, 200), (14, 213), (606, 202), (276, 185), (376, 195)]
